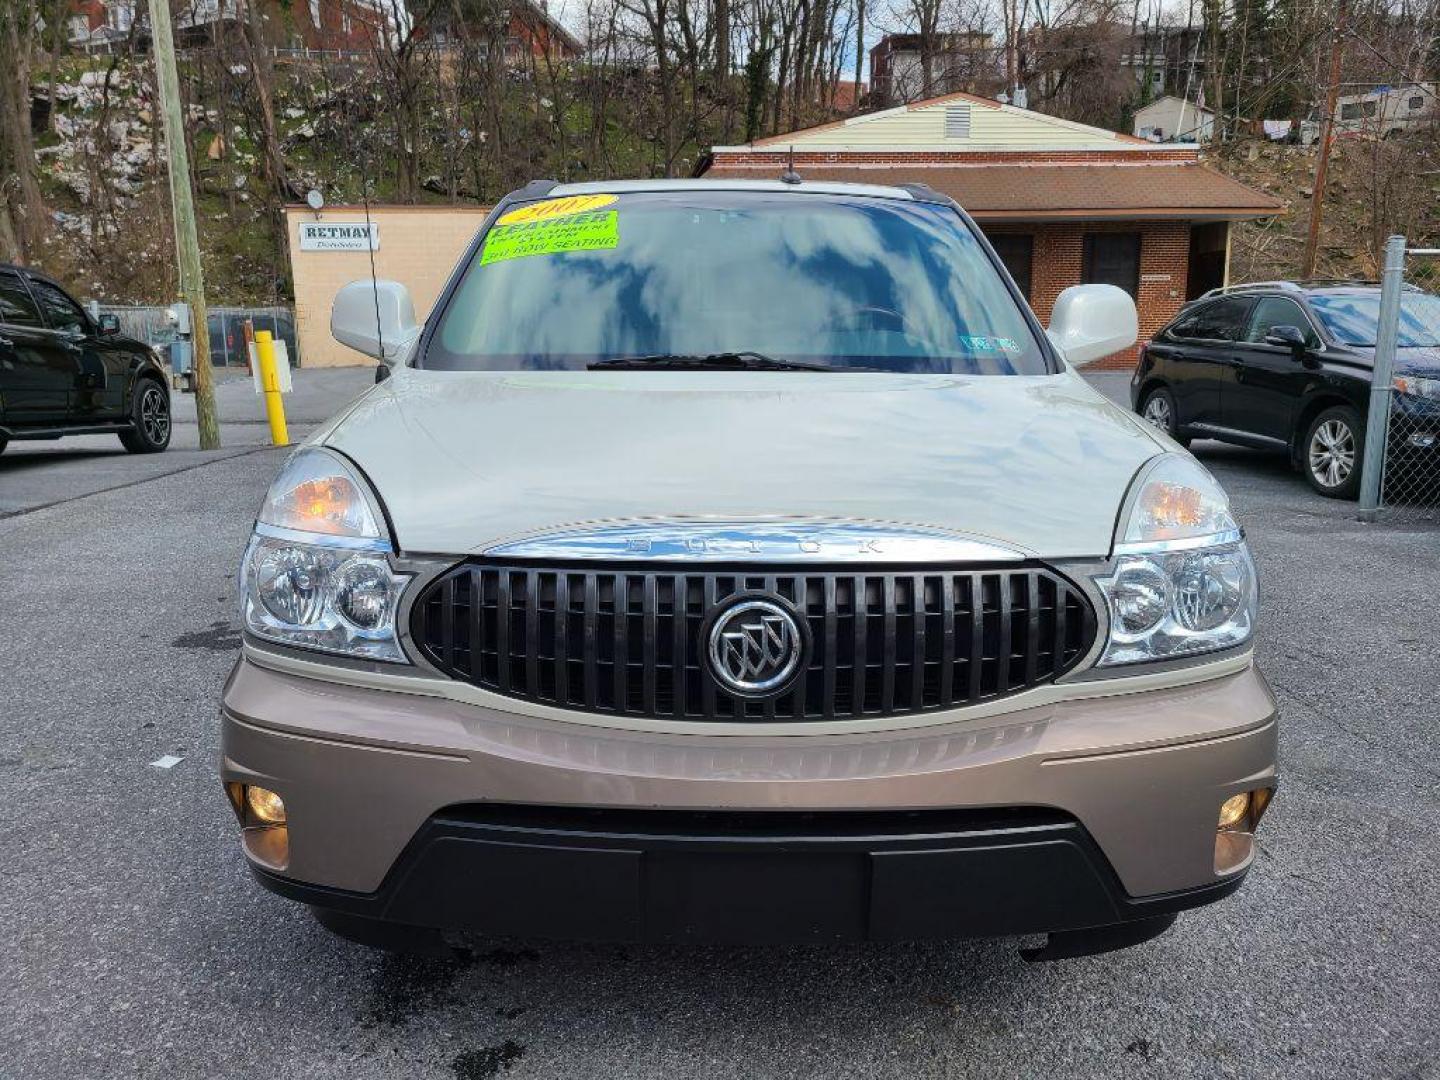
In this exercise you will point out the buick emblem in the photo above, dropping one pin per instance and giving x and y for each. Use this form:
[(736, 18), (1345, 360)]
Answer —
[(755, 647)]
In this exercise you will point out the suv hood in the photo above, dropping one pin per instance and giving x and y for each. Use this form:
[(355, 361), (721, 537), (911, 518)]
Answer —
[(464, 460)]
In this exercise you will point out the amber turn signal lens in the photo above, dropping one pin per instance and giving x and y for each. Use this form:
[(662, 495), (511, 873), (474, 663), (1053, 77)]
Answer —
[(1259, 801), (235, 792), (270, 847), (1233, 810), (1233, 850), (265, 806)]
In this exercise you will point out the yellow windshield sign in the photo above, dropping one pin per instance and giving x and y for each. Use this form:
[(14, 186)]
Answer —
[(594, 230), (555, 208)]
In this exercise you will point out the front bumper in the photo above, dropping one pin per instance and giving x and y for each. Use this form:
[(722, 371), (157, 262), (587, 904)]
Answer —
[(753, 878), (430, 812)]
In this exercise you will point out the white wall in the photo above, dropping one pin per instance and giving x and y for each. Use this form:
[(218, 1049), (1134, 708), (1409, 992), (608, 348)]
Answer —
[(1164, 118)]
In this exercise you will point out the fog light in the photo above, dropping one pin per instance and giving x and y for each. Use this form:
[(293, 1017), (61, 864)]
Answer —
[(1234, 810), (266, 808), (1235, 830), (1422, 440)]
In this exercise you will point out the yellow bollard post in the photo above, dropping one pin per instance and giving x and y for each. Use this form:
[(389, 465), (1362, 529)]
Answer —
[(270, 384)]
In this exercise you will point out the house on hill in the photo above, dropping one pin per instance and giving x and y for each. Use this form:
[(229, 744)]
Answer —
[(1173, 119), (530, 31), (318, 25), (961, 60), (1063, 203)]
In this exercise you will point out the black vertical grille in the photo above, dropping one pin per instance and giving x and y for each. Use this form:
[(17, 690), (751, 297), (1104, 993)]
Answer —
[(627, 640)]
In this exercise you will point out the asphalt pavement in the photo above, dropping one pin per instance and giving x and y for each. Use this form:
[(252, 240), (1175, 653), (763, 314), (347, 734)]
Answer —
[(135, 943), (35, 474)]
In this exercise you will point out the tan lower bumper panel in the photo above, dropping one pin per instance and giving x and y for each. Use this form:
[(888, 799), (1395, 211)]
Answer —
[(749, 877)]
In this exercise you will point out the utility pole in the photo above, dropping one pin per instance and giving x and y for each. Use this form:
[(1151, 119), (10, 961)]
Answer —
[(1377, 421), (187, 242), (1327, 125)]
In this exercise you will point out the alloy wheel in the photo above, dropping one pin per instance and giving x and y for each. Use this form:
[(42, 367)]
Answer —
[(1332, 453), (155, 415), (1157, 412)]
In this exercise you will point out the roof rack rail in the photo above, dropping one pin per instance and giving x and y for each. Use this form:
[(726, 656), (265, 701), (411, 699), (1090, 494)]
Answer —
[(1299, 286), (1250, 286)]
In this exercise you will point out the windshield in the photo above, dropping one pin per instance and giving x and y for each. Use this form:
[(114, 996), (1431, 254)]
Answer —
[(838, 282), (1354, 318)]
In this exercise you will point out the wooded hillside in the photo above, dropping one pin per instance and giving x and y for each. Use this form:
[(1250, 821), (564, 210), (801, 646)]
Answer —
[(440, 106)]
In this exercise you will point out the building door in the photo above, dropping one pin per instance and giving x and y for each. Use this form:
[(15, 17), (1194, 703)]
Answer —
[(1017, 252), (1112, 258), (1207, 258)]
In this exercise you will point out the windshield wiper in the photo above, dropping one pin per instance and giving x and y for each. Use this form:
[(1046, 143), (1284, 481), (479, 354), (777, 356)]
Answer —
[(720, 361)]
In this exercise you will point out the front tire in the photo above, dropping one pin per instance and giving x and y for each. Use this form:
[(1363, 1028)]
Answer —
[(1158, 410), (1333, 452), (150, 413)]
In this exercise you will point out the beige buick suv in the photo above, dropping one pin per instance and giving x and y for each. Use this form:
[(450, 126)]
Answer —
[(742, 561)]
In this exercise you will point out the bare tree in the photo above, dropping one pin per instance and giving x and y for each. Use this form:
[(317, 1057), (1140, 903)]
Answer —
[(22, 209)]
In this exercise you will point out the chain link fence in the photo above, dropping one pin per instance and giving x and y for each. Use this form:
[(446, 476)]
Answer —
[(1400, 481), (154, 326), (1410, 488)]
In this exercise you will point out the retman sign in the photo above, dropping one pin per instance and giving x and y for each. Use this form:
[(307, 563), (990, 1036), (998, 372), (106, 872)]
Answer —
[(339, 236)]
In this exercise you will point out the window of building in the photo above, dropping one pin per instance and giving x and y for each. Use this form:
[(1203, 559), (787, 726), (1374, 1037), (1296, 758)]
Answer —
[(1017, 252), (1417, 103), (1112, 258)]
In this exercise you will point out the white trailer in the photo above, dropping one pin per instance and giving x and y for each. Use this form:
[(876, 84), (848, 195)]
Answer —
[(1380, 113)]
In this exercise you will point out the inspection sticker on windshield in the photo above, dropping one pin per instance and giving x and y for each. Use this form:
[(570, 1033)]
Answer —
[(556, 208), (991, 344), (594, 230)]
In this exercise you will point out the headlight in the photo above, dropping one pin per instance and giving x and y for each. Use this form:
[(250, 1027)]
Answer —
[(1182, 582), (1418, 386), (316, 573)]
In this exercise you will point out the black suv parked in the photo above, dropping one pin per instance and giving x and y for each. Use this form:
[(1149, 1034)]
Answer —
[(62, 373), (1287, 365)]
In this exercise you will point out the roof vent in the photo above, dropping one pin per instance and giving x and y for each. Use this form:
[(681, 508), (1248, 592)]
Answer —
[(957, 121)]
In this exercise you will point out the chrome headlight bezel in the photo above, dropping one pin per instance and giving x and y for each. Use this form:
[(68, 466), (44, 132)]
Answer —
[(332, 588), (1181, 582)]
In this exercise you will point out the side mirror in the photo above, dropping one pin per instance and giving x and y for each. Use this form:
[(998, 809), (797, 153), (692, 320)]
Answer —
[(376, 318), (1288, 337), (109, 324), (1089, 322)]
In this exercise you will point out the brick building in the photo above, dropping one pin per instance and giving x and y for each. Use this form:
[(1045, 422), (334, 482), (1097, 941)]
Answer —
[(967, 60), (1063, 203), (531, 32)]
